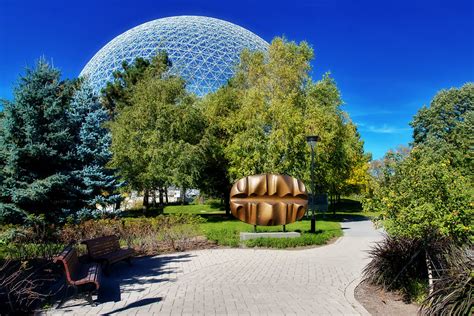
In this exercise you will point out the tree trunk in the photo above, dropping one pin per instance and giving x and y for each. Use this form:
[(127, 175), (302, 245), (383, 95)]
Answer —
[(146, 195), (333, 204), (118, 204), (153, 202), (183, 199), (430, 272), (160, 190), (226, 199), (166, 195)]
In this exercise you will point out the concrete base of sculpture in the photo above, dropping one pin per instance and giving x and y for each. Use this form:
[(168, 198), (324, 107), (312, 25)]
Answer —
[(247, 236)]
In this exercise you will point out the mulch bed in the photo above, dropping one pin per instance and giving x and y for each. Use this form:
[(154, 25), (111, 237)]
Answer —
[(379, 302)]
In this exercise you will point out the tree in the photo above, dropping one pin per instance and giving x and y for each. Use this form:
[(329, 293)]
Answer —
[(116, 94), (426, 191), (153, 138), (427, 198), (340, 152), (37, 147), (425, 195), (258, 123), (267, 128), (214, 178), (94, 183), (448, 125)]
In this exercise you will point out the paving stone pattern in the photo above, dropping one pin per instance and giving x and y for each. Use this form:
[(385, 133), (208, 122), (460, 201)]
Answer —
[(316, 281)]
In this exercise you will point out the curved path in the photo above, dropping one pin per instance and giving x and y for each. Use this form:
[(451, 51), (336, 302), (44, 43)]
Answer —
[(317, 281)]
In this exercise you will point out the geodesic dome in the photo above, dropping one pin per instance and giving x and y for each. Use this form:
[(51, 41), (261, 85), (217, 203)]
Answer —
[(204, 51)]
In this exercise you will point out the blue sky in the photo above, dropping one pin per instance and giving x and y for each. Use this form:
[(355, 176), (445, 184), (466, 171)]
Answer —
[(388, 57)]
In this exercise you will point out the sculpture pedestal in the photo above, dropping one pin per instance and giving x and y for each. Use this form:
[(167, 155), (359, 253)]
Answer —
[(247, 236)]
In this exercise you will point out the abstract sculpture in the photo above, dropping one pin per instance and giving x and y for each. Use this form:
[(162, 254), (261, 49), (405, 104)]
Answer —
[(268, 199)]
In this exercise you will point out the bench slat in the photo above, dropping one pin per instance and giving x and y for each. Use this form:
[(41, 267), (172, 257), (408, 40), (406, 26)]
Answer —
[(77, 273), (107, 248)]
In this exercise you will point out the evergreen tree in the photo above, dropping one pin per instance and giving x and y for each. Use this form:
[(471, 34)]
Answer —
[(37, 146), (94, 183)]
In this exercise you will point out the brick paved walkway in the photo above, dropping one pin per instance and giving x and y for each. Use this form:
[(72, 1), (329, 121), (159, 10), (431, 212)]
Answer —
[(317, 281)]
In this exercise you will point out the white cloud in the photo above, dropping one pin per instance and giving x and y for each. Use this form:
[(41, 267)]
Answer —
[(384, 129)]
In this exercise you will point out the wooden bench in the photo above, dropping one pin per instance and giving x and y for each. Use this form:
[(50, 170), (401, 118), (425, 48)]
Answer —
[(107, 250), (79, 276)]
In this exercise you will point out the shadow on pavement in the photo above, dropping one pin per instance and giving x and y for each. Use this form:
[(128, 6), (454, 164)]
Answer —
[(138, 303), (342, 217), (144, 272)]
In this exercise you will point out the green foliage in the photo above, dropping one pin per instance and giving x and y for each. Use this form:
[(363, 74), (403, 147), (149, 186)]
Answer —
[(417, 290), (428, 197), (36, 147), (154, 141), (448, 126), (35, 239), (193, 209), (306, 239), (94, 183), (259, 121), (425, 195), (116, 94), (30, 251), (53, 150), (224, 236), (427, 191), (227, 233)]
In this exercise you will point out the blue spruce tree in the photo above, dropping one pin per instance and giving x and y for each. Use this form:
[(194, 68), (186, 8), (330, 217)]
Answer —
[(95, 184), (36, 147)]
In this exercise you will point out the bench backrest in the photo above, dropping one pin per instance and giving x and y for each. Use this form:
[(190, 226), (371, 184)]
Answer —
[(68, 258), (102, 246)]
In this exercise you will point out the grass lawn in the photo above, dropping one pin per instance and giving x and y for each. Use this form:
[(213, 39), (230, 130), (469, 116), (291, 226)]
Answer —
[(194, 209), (226, 232), (352, 206)]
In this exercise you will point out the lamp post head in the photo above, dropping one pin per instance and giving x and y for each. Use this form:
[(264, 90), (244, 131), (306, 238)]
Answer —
[(312, 140)]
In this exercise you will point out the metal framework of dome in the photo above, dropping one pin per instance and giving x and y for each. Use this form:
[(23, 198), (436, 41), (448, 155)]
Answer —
[(204, 51)]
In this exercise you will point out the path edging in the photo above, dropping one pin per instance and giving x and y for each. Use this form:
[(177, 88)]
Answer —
[(350, 297)]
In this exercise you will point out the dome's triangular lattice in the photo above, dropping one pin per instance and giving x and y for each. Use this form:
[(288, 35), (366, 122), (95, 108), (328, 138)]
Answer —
[(204, 51)]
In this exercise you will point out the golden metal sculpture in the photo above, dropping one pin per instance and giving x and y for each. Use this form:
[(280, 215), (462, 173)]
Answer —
[(268, 199)]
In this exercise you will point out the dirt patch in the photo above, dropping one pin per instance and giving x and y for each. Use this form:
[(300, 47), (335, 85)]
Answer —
[(378, 302)]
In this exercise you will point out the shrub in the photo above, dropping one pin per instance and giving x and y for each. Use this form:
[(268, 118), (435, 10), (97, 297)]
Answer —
[(453, 292), (396, 261), (425, 196), (178, 231), (145, 235), (25, 285), (25, 243), (304, 240), (402, 263), (224, 236)]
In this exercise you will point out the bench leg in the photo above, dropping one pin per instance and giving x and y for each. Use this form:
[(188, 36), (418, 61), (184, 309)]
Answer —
[(87, 296), (106, 268), (63, 299), (66, 297), (89, 299)]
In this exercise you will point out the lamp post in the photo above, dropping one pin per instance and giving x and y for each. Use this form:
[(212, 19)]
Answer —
[(312, 141)]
